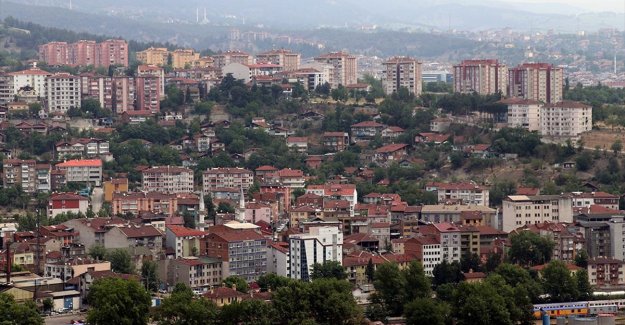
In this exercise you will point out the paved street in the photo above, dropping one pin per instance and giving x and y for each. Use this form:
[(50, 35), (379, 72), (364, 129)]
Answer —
[(96, 199)]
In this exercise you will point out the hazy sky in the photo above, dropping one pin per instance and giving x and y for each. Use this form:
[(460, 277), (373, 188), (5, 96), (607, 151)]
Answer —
[(591, 5)]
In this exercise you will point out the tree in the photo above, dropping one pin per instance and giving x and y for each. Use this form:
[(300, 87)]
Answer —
[(390, 287), (291, 303), (528, 248), (329, 269), (617, 146), (48, 304), (149, 275), (118, 301), (34, 109), (13, 313), (97, 252), (272, 281), (558, 282), (236, 282), (121, 261), (332, 302), (517, 276), (470, 262), (370, 271), (583, 285), (581, 259), (446, 272), (181, 307), (417, 284), (480, 304), (425, 311), (254, 312)]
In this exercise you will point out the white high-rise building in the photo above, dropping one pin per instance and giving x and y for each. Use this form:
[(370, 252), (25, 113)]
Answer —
[(519, 210), (565, 120), (523, 113), (63, 91), (320, 245)]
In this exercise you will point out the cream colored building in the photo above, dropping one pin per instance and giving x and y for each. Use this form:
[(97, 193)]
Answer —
[(288, 60), (402, 72), (345, 68), (155, 56), (482, 76), (182, 57), (62, 93), (565, 120), (519, 210), (223, 59), (523, 113)]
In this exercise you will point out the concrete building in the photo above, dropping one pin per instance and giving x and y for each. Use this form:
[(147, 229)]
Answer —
[(588, 199), (310, 76), (54, 53), (278, 261), (146, 70), (402, 72), (238, 178), (456, 213), (565, 120), (345, 68), (112, 52), (482, 76), (523, 113), (320, 245), (519, 210), (223, 59), (82, 148), (153, 56), (450, 238), (427, 250), (537, 81), (604, 232), (67, 202), (200, 274), (461, 192), (288, 60), (148, 96), (167, 179), (119, 185), (606, 272), (247, 72), (29, 175), (241, 247), (83, 53), (169, 204), (185, 242), (183, 58), (83, 171), (33, 78), (335, 141), (63, 91), (67, 269)]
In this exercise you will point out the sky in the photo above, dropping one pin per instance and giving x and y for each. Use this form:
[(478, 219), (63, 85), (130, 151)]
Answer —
[(589, 5)]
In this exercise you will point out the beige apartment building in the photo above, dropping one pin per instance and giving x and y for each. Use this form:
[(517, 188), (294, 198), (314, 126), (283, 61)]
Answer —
[(523, 113), (82, 171), (402, 72), (238, 178), (482, 76), (345, 68), (181, 57), (223, 59), (288, 60), (565, 120), (155, 56), (62, 93), (538, 81), (519, 210), (167, 179)]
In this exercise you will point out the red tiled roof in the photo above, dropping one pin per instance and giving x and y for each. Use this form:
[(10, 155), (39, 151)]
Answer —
[(266, 168), (391, 148), (140, 231), (368, 124), (81, 163), (180, 231), (233, 235)]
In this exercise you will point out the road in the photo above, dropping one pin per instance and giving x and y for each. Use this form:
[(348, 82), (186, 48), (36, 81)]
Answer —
[(96, 199), (64, 319)]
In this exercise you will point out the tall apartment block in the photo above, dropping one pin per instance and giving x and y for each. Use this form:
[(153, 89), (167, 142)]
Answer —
[(181, 57), (288, 60), (148, 100), (538, 81), (565, 120), (85, 52), (345, 68), (27, 174), (402, 72), (223, 59), (167, 179), (320, 245), (145, 70), (63, 92), (482, 76)]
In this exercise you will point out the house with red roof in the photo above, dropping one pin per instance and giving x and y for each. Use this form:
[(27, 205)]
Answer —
[(297, 144), (432, 138), (184, 241), (460, 192), (335, 141), (356, 264), (366, 130), (134, 236), (586, 199), (67, 202), (391, 132), (389, 153), (82, 171)]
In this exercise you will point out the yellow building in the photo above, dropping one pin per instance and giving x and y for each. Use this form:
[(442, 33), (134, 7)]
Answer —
[(203, 62), (182, 57), (114, 185), (155, 56)]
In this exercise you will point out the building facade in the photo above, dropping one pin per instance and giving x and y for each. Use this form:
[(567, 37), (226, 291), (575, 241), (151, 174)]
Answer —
[(320, 245), (402, 72), (345, 68), (167, 179), (565, 120), (63, 91), (237, 178), (519, 210), (482, 76), (536, 81), (523, 113)]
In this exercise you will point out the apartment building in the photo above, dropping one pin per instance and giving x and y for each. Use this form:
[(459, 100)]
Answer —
[(146, 70), (565, 120), (345, 68), (199, 274), (319, 245), (606, 272), (63, 91), (523, 113), (366, 130), (182, 58), (83, 171), (402, 72), (28, 174), (216, 178), (154, 202), (482, 76), (114, 93), (288, 60), (223, 59), (112, 52), (603, 232), (153, 56), (426, 249), (456, 213), (113, 185), (588, 199), (67, 202), (54, 53), (568, 242), (34, 78), (536, 81), (460, 192), (335, 141), (81, 148), (241, 247), (450, 238), (311, 76), (297, 144), (167, 179), (148, 96), (345, 192), (83, 53), (184, 241), (519, 210)]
